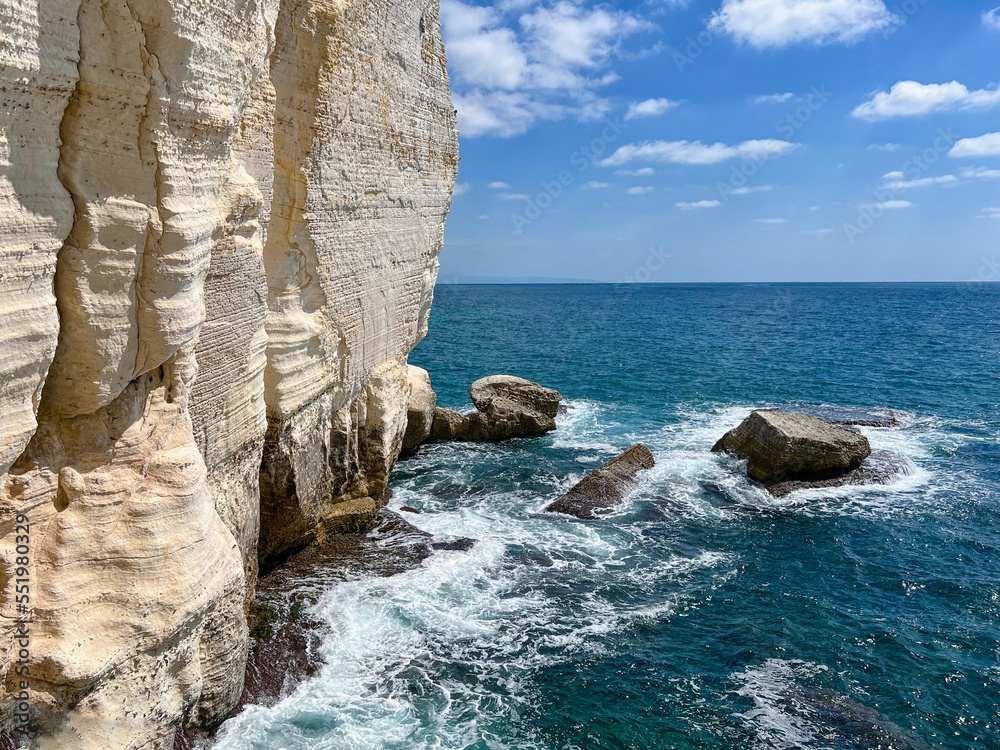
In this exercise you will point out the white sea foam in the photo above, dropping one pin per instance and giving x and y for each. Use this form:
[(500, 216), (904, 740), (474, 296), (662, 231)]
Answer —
[(440, 656)]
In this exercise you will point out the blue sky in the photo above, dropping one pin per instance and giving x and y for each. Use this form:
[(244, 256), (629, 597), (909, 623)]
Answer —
[(725, 140)]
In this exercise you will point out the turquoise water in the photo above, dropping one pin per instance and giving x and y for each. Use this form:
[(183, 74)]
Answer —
[(705, 614)]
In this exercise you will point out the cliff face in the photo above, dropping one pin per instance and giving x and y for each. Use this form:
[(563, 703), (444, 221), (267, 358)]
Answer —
[(219, 222)]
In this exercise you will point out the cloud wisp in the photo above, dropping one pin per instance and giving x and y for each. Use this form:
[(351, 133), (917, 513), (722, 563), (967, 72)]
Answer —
[(779, 23), (696, 152), (984, 145), (913, 99), (650, 108), (685, 206)]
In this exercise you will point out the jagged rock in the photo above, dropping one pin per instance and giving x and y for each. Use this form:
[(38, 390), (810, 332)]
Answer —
[(219, 229), (286, 635), (506, 407), (606, 487), (881, 467), (420, 408), (783, 446)]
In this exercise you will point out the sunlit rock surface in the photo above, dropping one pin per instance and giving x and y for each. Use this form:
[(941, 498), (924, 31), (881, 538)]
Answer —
[(219, 228)]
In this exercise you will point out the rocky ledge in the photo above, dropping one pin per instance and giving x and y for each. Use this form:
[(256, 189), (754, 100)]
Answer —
[(285, 635)]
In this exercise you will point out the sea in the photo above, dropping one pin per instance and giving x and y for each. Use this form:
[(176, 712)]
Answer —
[(703, 613)]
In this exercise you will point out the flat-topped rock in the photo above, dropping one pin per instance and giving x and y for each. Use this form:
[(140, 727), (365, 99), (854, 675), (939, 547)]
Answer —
[(603, 489), (784, 446), (851, 416)]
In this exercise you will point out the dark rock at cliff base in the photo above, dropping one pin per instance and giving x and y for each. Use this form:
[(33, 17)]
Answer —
[(606, 487), (286, 636), (852, 417), (881, 467), (456, 544), (782, 446), (506, 407)]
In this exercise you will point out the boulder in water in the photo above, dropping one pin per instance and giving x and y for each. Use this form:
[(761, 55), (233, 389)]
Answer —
[(420, 408), (606, 487), (784, 446), (449, 425), (506, 407)]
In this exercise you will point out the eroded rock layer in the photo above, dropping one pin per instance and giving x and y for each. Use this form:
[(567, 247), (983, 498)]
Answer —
[(219, 228)]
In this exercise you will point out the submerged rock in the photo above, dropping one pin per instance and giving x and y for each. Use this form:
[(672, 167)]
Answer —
[(506, 407), (420, 408), (285, 634), (791, 446), (858, 723), (606, 487), (881, 467)]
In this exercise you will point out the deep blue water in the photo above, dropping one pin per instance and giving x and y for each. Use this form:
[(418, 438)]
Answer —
[(705, 614)]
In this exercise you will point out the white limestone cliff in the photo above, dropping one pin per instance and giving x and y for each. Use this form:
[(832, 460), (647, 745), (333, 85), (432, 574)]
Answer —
[(219, 228)]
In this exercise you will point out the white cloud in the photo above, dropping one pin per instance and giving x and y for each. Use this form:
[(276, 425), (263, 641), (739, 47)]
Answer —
[(499, 186), (650, 108), (991, 213), (639, 190), (889, 205), (684, 206), (770, 221), (984, 145), (991, 19), (898, 181), (778, 23), (980, 173), (461, 188), (814, 208), (911, 99), (696, 152), (510, 68), (749, 190), (818, 231), (500, 113), (773, 98), (483, 217), (595, 185), (884, 147), (514, 196), (642, 172)]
